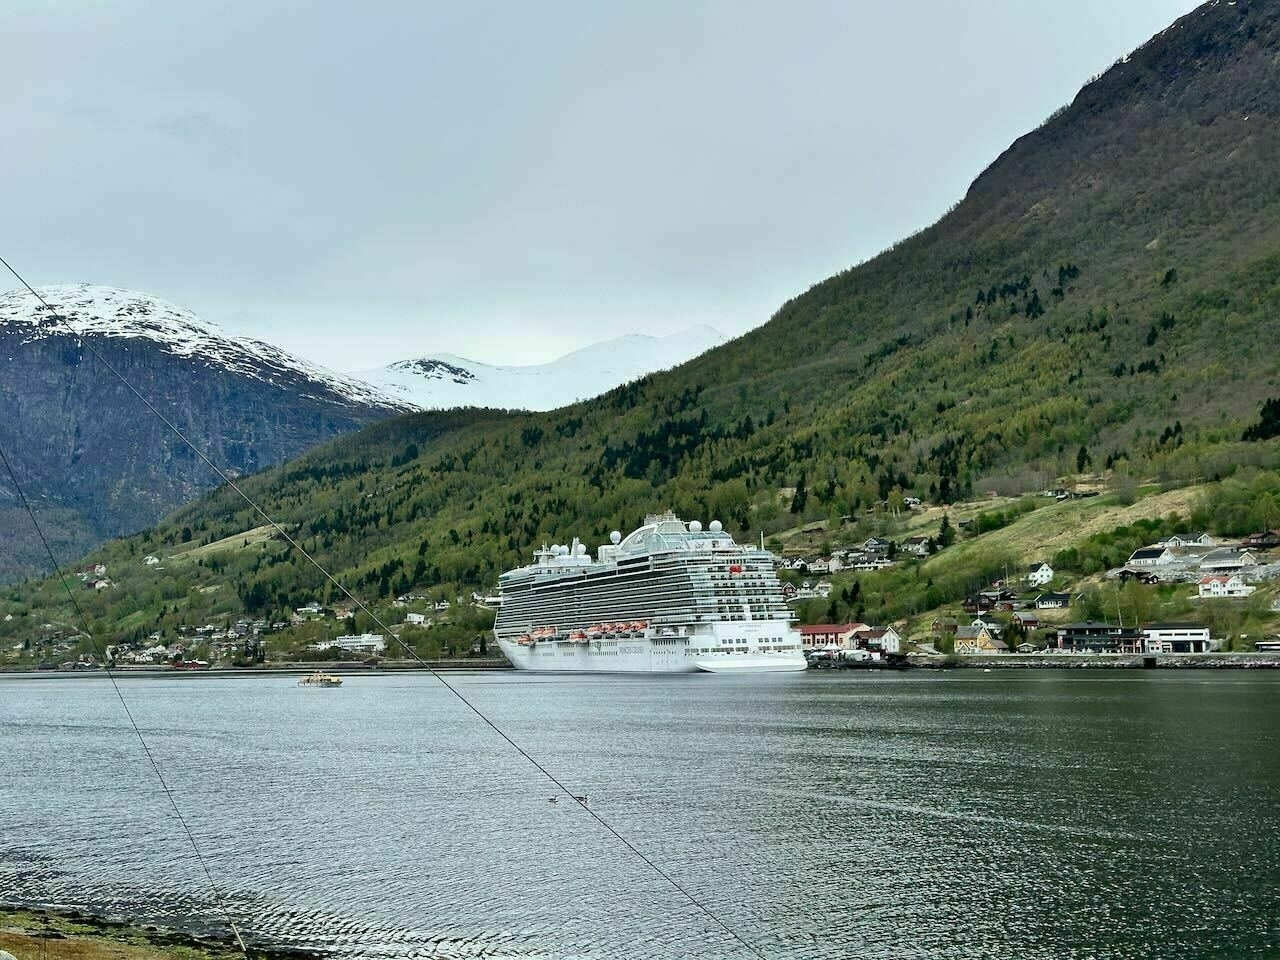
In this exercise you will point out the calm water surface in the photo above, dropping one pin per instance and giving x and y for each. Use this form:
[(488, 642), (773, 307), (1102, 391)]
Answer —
[(959, 815)]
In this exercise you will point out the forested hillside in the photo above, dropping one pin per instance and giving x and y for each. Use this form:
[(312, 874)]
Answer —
[(1104, 300)]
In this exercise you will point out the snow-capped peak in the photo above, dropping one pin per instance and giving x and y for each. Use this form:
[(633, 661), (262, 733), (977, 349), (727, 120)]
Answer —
[(90, 310), (444, 380)]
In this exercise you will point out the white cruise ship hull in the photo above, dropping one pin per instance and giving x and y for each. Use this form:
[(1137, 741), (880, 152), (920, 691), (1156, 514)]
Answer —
[(720, 648)]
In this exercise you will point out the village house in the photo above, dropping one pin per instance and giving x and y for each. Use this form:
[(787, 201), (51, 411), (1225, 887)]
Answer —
[(150, 560), (1038, 574), (1176, 638), (884, 639), (916, 546), (1266, 540), (977, 641), (994, 626), (1097, 637), (1026, 646), (943, 626), (1184, 541), (876, 545), (978, 603), (1224, 585), (312, 609), (911, 501), (1053, 601), (1150, 557), (1027, 621), (415, 619), (819, 636), (1226, 559), (363, 643)]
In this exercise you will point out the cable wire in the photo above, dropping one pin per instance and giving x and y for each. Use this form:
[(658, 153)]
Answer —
[(284, 535), (146, 749)]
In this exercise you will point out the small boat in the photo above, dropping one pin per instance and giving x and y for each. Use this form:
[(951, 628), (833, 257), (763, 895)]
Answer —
[(320, 679)]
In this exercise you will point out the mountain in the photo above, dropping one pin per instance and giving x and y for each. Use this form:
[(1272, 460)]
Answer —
[(444, 381), (95, 461), (1102, 304)]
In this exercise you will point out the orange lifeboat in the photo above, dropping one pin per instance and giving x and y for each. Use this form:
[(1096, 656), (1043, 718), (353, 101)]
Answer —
[(524, 640)]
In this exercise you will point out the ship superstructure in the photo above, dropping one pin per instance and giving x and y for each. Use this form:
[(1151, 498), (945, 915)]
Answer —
[(670, 597)]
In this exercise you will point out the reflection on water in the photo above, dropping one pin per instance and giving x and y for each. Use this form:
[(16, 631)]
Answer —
[(958, 815)]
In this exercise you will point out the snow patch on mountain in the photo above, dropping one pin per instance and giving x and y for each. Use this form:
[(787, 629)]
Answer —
[(92, 310), (444, 380)]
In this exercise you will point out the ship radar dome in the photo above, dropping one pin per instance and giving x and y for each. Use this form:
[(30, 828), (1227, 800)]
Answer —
[(582, 549), (615, 538), (695, 526), (716, 526)]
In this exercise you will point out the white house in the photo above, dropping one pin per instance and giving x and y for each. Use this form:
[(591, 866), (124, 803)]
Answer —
[(1156, 556), (1227, 559), (150, 560), (919, 546), (1224, 585), (886, 639), (1038, 574), (417, 619), (1175, 638), (1053, 601), (363, 643), (1197, 539)]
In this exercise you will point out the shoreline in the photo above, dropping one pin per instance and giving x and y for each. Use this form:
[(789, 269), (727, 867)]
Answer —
[(1101, 661), (296, 669), (28, 932)]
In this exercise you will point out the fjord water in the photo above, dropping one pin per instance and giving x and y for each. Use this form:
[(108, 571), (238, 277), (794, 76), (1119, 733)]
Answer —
[(1010, 814)]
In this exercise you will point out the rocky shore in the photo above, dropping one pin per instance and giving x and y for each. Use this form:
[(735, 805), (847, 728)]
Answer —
[(37, 934)]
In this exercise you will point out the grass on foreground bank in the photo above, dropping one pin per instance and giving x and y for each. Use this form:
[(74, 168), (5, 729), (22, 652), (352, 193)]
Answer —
[(53, 935)]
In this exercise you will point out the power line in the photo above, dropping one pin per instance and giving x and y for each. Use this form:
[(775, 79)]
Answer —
[(284, 534), (146, 749)]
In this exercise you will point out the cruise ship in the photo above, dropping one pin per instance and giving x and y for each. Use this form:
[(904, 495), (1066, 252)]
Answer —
[(671, 597)]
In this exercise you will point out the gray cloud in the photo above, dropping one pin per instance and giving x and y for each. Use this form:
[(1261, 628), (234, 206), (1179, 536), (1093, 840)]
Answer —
[(507, 182)]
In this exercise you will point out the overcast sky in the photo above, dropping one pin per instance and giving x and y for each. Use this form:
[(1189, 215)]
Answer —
[(360, 183)]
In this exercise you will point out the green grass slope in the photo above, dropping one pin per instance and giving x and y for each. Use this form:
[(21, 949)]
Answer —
[(1103, 300)]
